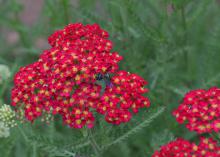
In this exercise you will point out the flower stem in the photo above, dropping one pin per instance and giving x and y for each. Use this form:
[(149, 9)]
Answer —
[(94, 144), (65, 4), (183, 18)]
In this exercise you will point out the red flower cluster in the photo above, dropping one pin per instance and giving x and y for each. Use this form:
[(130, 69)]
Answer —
[(183, 148), (64, 80), (201, 109)]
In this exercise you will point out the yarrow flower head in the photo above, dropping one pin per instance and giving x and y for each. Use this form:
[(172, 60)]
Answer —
[(65, 80), (183, 148), (7, 120), (200, 110), (7, 116)]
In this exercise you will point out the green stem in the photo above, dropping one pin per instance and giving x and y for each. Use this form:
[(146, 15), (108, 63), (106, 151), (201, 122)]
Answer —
[(94, 144), (183, 19), (25, 40), (66, 10), (34, 150)]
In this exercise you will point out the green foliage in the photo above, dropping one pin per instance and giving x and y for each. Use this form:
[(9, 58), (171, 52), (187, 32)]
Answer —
[(174, 44)]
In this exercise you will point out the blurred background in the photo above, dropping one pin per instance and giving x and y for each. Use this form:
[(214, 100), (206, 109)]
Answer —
[(174, 44)]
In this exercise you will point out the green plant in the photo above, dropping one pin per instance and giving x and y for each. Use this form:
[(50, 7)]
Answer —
[(172, 44)]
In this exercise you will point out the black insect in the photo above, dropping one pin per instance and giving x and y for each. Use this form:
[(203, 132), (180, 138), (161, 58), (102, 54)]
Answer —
[(106, 78), (100, 77)]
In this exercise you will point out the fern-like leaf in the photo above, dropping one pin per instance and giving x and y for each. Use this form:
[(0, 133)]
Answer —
[(136, 129)]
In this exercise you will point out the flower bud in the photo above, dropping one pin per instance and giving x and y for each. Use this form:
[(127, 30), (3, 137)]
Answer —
[(7, 116)]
